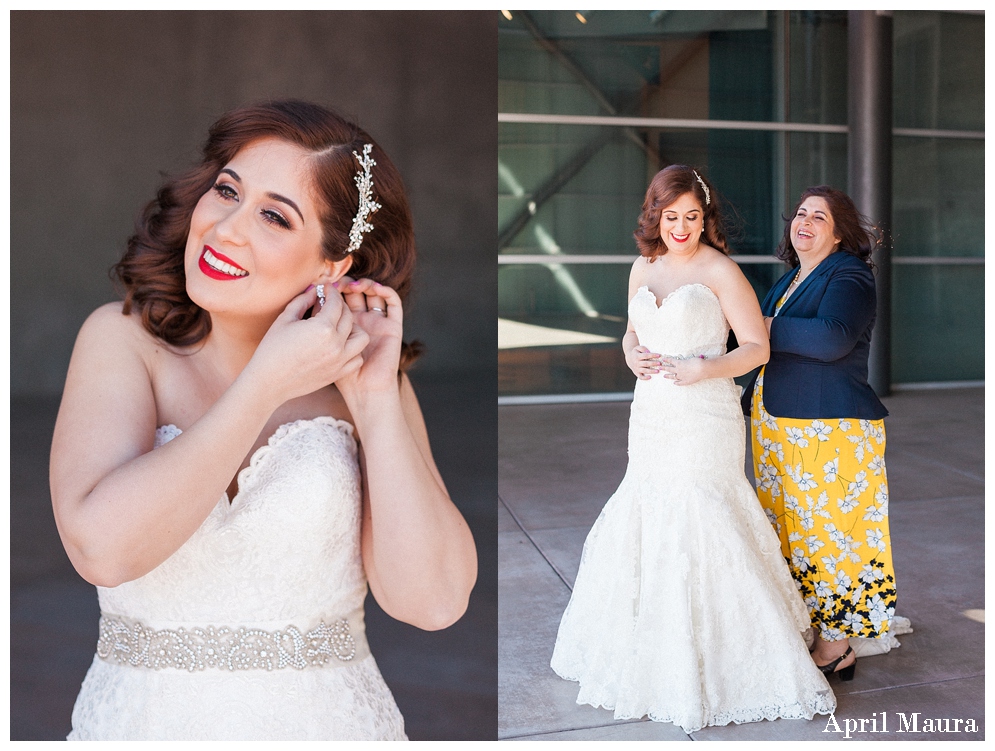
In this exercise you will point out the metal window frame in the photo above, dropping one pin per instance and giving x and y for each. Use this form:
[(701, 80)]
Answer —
[(528, 118), (532, 259)]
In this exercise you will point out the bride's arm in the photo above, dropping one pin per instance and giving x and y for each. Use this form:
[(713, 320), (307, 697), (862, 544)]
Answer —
[(418, 552), (121, 508), (643, 363)]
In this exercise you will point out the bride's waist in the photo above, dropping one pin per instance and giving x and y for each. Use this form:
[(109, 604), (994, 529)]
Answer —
[(326, 640), (709, 351)]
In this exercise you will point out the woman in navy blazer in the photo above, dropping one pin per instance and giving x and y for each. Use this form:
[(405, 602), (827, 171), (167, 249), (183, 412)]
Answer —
[(818, 434)]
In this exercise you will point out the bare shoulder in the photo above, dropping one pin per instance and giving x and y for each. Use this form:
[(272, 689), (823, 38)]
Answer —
[(641, 268), (111, 331), (722, 271), (718, 262), (646, 273), (111, 319)]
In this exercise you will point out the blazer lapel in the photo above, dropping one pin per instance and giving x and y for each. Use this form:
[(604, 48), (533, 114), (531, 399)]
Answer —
[(821, 270), (770, 302)]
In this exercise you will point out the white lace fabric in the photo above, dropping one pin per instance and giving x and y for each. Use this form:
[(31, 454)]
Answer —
[(284, 553), (683, 610)]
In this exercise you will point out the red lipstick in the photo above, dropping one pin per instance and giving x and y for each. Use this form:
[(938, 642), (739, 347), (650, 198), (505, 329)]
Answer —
[(226, 270)]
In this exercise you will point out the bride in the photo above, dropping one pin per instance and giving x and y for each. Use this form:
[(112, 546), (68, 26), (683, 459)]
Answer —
[(683, 609), (238, 452)]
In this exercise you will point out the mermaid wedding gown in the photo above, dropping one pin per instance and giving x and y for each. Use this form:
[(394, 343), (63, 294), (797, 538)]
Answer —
[(253, 629), (683, 609)]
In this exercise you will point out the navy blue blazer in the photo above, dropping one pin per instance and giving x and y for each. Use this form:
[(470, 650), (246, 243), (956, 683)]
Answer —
[(819, 343)]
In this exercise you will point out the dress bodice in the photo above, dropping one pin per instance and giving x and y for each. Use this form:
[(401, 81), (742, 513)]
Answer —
[(286, 550), (687, 322)]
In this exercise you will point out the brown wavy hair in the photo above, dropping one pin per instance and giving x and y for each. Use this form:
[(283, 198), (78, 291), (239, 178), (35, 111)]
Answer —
[(151, 272), (858, 234), (664, 189)]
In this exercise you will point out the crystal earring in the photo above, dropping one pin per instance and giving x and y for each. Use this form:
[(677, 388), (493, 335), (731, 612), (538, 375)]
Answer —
[(320, 289)]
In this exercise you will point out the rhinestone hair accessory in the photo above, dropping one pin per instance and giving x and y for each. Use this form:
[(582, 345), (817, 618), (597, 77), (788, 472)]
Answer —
[(708, 196), (367, 206)]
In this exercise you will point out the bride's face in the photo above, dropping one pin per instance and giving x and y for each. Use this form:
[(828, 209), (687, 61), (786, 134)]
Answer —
[(255, 236), (681, 224)]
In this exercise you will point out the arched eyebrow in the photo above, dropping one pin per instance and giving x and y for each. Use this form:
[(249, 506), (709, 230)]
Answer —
[(274, 196)]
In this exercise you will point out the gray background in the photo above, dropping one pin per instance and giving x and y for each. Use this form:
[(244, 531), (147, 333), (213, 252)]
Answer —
[(102, 103)]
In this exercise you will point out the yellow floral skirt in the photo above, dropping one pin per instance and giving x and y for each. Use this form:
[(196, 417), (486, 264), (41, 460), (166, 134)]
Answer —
[(823, 485)]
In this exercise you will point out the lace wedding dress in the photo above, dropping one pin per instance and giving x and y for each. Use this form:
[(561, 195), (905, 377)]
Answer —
[(683, 609), (253, 629)]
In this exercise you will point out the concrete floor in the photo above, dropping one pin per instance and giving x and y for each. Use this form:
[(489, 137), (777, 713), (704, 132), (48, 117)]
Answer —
[(559, 464), (444, 682)]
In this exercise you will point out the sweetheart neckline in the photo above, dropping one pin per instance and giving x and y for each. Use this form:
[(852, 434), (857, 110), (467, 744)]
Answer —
[(659, 304), (282, 431)]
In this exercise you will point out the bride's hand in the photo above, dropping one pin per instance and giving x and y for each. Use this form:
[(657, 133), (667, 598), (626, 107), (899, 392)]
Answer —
[(683, 372), (642, 362), (298, 356), (377, 310)]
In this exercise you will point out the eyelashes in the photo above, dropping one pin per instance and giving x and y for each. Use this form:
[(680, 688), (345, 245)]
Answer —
[(227, 193), (276, 218)]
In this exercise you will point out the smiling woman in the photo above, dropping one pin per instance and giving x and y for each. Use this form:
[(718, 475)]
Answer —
[(681, 573), (234, 463)]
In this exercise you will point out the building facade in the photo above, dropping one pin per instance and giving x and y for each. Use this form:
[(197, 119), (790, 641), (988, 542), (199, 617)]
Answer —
[(593, 103)]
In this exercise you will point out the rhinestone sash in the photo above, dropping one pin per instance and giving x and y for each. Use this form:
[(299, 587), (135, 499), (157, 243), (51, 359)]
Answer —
[(130, 642)]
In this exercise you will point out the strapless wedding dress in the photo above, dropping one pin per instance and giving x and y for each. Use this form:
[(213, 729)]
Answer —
[(683, 609), (253, 629)]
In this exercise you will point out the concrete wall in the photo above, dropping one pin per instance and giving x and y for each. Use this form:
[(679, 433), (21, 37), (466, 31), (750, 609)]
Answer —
[(103, 102)]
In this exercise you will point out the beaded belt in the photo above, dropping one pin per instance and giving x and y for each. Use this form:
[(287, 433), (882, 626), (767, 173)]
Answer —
[(130, 642)]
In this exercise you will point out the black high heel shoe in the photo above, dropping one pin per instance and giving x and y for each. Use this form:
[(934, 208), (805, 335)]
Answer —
[(846, 674)]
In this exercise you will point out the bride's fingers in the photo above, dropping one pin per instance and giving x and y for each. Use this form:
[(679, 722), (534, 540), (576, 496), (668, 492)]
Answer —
[(379, 297), (394, 310), (354, 299), (297, 307)]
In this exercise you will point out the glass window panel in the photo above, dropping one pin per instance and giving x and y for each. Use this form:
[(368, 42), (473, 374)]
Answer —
[(559, 305), (815, 159), (939, 78), (580, 295), (938, 197), (740, 75), (817, 67), (938, 330)]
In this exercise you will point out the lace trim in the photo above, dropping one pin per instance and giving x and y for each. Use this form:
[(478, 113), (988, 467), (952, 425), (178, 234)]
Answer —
[(132, 643), (823, 702), (661, 303), (165, 433)]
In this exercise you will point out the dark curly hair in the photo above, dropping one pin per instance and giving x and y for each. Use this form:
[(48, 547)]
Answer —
[(665, 188), (151, 271), (858, 234)]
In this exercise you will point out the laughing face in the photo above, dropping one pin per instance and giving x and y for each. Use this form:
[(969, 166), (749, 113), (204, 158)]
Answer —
[(255, 236), (681, 224), (813, 233)]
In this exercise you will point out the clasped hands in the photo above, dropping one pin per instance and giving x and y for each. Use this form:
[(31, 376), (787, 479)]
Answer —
[(346, 341), (682, 371)]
